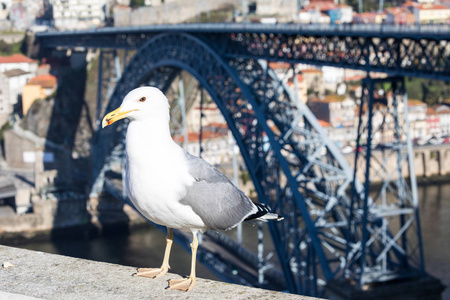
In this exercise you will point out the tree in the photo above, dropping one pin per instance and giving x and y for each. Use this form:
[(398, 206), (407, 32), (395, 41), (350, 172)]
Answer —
[(137, 3)]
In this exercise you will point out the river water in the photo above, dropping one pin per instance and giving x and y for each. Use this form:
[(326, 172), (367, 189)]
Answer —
[(144, 247)]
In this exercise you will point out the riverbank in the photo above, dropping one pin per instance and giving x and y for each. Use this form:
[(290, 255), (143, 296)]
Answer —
[(53, 219)]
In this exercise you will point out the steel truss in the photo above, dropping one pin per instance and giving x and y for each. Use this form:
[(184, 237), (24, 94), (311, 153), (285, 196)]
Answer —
[(421, 51), (386, 240), (389, 53), (109, 74), (295, 168)]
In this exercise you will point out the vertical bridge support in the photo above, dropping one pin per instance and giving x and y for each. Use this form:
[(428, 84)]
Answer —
[(385, 244), (109, 73)]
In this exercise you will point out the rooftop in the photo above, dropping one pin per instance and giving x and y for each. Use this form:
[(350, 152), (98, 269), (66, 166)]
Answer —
[(323, 123), (15, 58), (45, 81), (279, 65), (415, 102), (311, 71), (14, 72), (330, 99)]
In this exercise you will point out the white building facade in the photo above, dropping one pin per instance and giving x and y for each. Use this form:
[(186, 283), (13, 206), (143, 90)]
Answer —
[(15, 71), (78, 14)]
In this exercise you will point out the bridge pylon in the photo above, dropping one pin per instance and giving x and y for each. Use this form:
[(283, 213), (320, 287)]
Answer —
[(386, 221), (384, 246)]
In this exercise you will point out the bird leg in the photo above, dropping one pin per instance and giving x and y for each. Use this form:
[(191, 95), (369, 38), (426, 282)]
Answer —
[(158, 272), (186, 284)]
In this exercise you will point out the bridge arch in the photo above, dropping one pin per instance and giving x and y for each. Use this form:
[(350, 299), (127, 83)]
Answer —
[(260, 113)]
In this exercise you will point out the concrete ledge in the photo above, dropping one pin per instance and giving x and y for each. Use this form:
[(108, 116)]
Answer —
[(50, 276)]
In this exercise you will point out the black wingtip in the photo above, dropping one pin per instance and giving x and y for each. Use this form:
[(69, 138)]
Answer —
[(264, 213)]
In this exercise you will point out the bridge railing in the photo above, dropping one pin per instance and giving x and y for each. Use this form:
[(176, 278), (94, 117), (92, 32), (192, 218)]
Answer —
[(443, 29)]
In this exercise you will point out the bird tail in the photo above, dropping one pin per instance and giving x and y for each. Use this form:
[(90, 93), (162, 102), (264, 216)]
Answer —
[(264, 214)]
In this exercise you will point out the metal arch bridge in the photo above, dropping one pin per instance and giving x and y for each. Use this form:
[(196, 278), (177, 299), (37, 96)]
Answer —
[(416, 51), (333, 228)]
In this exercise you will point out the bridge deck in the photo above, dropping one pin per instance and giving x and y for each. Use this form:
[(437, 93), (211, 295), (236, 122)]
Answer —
[(421, 51), (413, 31)]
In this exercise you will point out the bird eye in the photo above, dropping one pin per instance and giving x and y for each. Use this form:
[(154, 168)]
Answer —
[(142, 99)]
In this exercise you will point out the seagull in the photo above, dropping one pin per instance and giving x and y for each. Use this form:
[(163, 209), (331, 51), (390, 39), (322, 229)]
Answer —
[(171, 187)]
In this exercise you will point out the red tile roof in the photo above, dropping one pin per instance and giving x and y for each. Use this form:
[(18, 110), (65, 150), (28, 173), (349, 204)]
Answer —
[(311, 71), (411, 3), (433, 6), (329, 99), (15, 58), (299, 78), (355, 77), (45, 81), (194, 136), (324, 123), (431, 111), (279, 65), (415, 102), (216, 125)]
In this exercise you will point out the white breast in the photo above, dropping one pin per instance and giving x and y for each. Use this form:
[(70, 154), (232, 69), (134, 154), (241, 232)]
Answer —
[(157, 177)]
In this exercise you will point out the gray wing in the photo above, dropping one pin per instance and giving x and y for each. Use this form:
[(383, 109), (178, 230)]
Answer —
[(214, 198)]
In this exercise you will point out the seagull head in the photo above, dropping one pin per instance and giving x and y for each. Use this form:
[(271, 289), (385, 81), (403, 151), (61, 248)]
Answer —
[(140, 104)]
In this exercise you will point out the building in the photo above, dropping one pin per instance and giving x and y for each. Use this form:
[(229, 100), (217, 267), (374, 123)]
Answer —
[(433, 123), (15, 71), (78, 14), (417, 114), (429, 13), (299, 87), (18, 61), (332, 77), (165, 12), (339, 111), (38, 87), (312, 16), (283, 70), (342, 14), (5, 8), (284, 12), (336, 114), (216, 143), (11, 83), (368, 18), (50, 162), (444, 119), (314, 80), (210, 113), (399, 16)]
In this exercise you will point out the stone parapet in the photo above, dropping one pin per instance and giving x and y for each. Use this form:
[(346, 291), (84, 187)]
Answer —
[(49, 276)]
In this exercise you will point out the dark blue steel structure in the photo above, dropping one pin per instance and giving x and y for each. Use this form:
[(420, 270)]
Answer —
[(295, 168)]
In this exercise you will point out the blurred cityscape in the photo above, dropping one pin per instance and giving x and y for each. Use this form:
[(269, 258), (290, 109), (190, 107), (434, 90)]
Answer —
[(48, 107)]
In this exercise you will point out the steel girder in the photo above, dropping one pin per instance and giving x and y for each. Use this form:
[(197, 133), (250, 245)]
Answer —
[(406, 56), (422, 51), (385, 226)]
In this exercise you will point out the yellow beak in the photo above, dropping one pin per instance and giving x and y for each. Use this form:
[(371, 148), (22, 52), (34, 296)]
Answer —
[(114, 116)]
